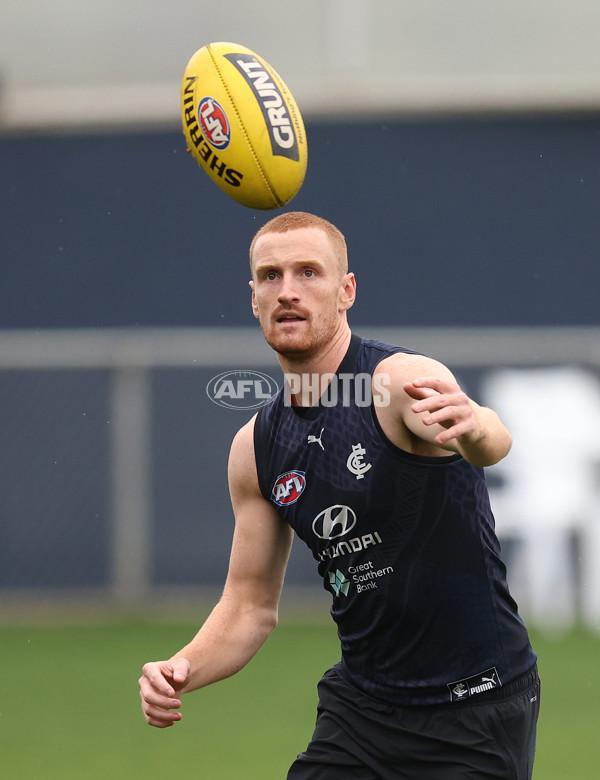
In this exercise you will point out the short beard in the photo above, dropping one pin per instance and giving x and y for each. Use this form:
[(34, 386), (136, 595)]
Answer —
[(308, 346)]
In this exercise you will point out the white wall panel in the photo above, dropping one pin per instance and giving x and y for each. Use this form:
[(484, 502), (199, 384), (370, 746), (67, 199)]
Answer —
[(122, 60)]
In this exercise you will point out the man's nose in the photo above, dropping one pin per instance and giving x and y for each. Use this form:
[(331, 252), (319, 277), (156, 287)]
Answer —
[(288, 290)]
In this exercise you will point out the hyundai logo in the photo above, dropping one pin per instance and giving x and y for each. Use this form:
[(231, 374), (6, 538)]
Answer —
[(334, 521)]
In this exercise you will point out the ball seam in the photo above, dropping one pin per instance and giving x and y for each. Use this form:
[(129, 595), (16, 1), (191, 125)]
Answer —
[(247, 137)]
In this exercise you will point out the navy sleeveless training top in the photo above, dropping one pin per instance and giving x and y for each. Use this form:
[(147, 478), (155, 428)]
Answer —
[(404, 543)]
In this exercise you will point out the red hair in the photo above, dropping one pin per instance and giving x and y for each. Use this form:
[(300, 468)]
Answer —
[(295, 220)]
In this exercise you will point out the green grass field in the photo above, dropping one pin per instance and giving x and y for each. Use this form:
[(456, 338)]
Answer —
[(69, 706)]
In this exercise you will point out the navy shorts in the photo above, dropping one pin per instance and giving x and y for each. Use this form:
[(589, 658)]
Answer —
[(491, 735)]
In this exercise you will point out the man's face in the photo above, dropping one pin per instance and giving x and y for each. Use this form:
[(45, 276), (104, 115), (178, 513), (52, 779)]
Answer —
[(299, 292)]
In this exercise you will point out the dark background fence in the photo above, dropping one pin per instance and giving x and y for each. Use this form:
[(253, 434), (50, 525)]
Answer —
[(473, 221)]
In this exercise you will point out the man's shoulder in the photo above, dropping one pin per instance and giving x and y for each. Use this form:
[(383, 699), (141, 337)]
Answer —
[(244, 437), (411, 364), (242, 462)]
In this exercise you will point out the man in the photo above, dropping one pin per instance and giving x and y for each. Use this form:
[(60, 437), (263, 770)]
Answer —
[(383, 481)]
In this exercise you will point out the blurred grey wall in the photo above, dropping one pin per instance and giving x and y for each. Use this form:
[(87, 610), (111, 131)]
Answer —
[(122, 60)]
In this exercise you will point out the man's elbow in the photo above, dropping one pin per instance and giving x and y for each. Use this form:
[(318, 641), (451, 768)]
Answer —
[(268, 619)]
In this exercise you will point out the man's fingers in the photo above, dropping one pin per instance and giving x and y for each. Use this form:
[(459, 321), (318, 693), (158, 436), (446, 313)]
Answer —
[(445, 414), (430, 389), (181, 670), (440, 404), (160, 718), (154, 673), (160, 703), (160, 711), (159, 674), (451, 433), (152, 697), (435, 383), (418, 392)]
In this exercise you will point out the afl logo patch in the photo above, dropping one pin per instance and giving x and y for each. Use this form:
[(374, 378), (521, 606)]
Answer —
[(214, 123), (288, 487)]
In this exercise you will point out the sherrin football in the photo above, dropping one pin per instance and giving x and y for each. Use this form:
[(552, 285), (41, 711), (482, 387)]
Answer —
[(243, 126)]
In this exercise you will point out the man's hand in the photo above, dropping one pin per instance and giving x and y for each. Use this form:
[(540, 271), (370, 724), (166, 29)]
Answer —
[(476, 431), (160, 683), (443, 402)]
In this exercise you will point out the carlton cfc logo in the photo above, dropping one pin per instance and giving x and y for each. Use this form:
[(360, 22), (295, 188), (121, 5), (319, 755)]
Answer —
[(214, 123), (288, 487)]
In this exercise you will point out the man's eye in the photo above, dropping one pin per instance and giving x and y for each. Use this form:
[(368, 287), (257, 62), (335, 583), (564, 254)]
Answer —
[(271, 276), (309, 272)]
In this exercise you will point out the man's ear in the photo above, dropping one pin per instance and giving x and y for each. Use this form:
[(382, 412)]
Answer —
[(253, 300), (347, 292)]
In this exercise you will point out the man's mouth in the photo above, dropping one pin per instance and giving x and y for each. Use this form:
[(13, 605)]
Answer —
[(290, 318)]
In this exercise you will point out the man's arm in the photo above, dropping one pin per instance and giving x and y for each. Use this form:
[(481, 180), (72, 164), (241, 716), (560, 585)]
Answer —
[(429, 413), (247, 612)]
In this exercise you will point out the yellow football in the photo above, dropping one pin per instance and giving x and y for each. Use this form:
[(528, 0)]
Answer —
[(243, 126)]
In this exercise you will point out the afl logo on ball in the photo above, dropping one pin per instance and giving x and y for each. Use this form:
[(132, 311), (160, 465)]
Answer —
[(214, 123), (288, 487)]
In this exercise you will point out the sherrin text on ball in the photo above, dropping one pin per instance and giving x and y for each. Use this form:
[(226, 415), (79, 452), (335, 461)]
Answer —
[(243, 126)]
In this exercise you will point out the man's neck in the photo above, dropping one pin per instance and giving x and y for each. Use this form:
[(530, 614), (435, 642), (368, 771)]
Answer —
[(309, 376)]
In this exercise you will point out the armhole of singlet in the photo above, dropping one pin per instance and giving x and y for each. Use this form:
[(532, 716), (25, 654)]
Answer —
[(258, 437)]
